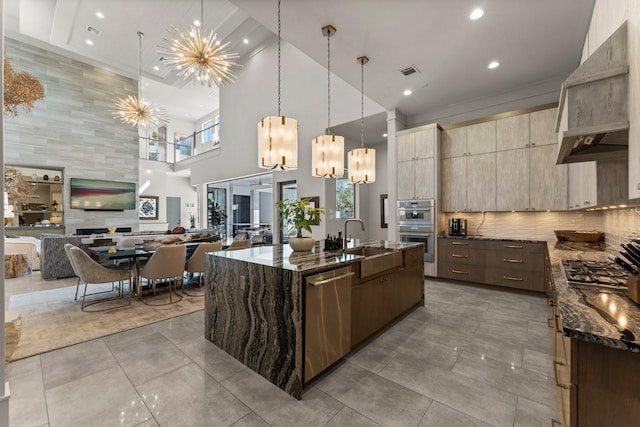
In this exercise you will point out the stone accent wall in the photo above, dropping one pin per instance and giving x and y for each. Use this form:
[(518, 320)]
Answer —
[(73, 128)]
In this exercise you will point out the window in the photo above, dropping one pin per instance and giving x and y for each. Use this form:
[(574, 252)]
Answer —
[(216, 131), (207, 131), (345, 198), (288, 190)]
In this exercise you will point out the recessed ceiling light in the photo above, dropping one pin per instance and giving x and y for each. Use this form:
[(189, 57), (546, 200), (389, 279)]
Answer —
[(384, 135), (493, 64), (245, 41), (100, 14), (196, 23), (155, 67), (89, 42), (407, 92), (476, 14)]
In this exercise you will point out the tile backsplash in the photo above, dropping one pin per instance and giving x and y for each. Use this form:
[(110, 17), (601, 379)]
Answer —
[(617, 224)]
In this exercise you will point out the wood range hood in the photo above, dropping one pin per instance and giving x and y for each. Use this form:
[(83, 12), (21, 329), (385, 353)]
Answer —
[(593, 114)]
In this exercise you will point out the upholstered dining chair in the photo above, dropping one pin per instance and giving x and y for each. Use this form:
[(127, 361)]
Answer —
[(67, 249), (89, 271), (166, 264), (239, 244), (195, 263)]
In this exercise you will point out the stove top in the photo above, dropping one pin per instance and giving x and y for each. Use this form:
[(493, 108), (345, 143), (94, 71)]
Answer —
[(597, 273)]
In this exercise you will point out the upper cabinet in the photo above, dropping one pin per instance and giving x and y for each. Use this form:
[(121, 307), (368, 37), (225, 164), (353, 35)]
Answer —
[(542, 125), (417, 164), (512, 132), (470, 140)]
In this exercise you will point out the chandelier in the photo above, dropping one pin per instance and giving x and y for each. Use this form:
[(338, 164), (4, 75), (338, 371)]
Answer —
[(198, 55), (278, 135), (361, 162), (135, 111), (327, 152)]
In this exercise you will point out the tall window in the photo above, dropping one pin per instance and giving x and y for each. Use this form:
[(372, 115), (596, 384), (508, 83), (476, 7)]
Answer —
[(207, 131), (345, 198), (216, 131)]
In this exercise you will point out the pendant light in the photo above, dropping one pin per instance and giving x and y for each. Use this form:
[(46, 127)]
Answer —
[(362, 161), (136, 111), (278, 135), (198, 55), (327, 152)]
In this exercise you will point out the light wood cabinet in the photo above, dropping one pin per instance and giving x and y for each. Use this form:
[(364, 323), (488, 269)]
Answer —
[(454, 183), (512, 132), (542, 125), (481, 138), (417, 166), (548, 181), (455, 143), (512, 180), (481, 182), (598, 184), (582, 185)]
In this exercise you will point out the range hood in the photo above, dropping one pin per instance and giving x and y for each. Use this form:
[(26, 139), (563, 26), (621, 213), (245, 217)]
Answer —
[(593, 114)]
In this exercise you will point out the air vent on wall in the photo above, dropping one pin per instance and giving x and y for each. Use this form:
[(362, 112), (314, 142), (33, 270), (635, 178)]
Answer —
[(407, 71)]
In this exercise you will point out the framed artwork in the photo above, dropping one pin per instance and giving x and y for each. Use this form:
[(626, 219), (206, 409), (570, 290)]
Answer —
[(148, 207), (384, 211), (314, 203)]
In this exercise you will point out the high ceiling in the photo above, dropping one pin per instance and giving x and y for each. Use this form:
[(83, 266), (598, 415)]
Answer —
[(534, 41)]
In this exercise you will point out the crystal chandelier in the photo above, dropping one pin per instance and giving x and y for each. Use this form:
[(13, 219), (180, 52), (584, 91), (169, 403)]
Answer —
[(361, 162), (198, 55), (135, 111), (278, 135), (327, 152)]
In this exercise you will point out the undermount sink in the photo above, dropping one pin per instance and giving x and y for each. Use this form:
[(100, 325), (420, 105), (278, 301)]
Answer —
[(376, 260)]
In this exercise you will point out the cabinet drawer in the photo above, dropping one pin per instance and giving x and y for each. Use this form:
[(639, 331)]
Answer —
[(461, 243), (514, 260), (520, 279), (462, 255), (468, 273), (516, 247)]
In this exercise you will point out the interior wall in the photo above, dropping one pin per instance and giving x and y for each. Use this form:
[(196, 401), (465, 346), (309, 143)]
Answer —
[(73, 129)]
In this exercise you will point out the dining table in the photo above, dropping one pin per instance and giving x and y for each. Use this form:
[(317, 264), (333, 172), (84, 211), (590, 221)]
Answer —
[(109, 254)]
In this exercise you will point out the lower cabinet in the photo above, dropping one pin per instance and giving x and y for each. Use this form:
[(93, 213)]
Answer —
[(507, 263)]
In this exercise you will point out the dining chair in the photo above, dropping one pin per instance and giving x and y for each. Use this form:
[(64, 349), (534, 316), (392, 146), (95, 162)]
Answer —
[(166, 264), (89, 271), (239, 244), (67, 249), (128, 242), (196, 263)]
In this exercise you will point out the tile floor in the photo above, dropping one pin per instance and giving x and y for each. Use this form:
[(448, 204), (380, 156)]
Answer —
[(473, 356)]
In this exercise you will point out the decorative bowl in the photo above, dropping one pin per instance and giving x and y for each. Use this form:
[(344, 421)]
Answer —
[(579, 236)]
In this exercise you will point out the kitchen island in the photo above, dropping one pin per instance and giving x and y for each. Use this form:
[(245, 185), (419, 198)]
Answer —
[(288, 316), (596, 345)]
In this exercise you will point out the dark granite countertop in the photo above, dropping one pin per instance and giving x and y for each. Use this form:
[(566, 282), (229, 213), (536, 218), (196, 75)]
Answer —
[(282, 256), (480, 237), (599, 315)]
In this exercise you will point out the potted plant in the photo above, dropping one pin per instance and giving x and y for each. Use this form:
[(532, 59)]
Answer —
[(216, 213), (300, 216), (192, 220)]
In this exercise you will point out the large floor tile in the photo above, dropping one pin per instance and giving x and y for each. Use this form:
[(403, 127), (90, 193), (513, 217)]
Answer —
[(180, 330), (538, 361), (523, 382), (27, 406), (70, 363), (190, 396), (148, 357), (351, 418), (277, 407), (440, 415), (474, 398), (383, 401), (106, 398), (250, 420), (212, 359), (533, 414)]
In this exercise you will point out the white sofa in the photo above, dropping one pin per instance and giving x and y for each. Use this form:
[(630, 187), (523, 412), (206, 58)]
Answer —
[(30, 246)]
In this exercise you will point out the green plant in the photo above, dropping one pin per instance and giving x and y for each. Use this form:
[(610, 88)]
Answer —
[(299, 214), (217, 214), (192, 220)]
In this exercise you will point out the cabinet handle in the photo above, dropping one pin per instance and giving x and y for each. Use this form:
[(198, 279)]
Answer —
[(331, 279), (515, 279), (533, 144), (459, 272), (459, 256), (459, 244), (513, 246), (514, 261)]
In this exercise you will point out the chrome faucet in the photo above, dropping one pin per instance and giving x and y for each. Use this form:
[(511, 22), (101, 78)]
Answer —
[(344, 241)]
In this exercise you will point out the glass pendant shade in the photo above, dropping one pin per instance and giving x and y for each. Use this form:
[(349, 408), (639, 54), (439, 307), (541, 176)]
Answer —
[(327, 156), (361, 163), (278, 143)]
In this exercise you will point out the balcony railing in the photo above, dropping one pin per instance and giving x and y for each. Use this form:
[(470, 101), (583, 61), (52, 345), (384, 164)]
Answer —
[(180, 148)]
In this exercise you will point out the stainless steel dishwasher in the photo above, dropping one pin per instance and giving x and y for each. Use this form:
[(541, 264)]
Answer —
[(327, 319)]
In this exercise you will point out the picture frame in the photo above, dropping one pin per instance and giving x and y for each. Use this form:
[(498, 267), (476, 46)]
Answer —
[(314, 203), (148, 207), (384, 211)]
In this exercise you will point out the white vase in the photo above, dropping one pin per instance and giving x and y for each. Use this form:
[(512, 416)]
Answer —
[(301, 244)]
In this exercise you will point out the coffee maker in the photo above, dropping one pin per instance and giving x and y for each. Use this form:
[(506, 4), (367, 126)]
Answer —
[(458, 227)]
